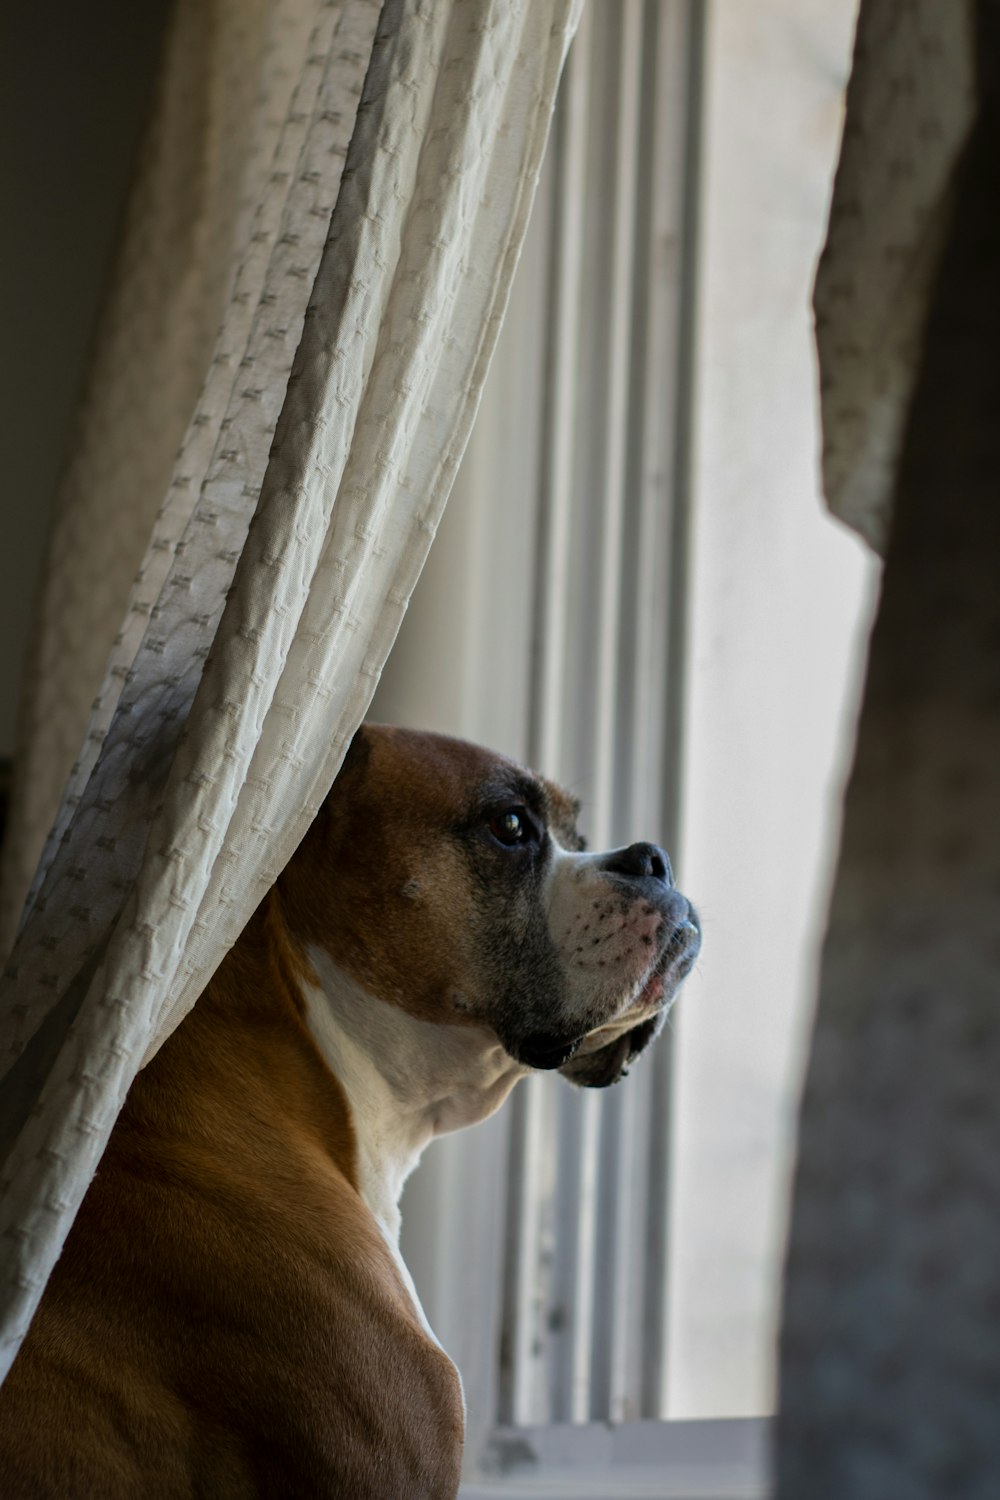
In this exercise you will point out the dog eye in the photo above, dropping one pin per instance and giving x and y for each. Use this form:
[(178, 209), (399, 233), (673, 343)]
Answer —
[(513, 827)]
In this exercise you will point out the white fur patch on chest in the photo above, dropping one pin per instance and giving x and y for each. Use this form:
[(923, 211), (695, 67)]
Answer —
[(406, 1080)]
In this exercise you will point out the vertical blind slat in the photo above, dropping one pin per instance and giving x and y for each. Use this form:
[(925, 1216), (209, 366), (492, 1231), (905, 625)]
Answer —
[(616, 404), (622, 1186), (528, 1332), (675, 184), (585, 1298), (558, 457)]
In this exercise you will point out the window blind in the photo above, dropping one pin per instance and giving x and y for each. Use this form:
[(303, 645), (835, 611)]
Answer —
[(584, 1320)]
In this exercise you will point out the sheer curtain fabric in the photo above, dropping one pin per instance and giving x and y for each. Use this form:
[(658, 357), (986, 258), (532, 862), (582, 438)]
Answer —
[(334, 410)]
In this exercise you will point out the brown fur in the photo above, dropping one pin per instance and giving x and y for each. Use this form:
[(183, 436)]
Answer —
[(376, 885), (380, 887), (224, 1292), (227, 1319)]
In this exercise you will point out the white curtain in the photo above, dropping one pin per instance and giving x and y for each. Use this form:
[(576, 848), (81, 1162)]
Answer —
[(250, 649)]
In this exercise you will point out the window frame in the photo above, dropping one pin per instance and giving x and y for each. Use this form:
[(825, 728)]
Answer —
[(455, 1226)]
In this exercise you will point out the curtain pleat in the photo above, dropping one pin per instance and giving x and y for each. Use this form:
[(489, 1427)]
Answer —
[(255, 636)]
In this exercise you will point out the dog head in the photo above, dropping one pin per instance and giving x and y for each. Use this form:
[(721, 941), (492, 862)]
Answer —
[(451, 882)]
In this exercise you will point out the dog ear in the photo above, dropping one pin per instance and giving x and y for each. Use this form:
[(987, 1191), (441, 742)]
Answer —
[(597, 1070), (358, 752)]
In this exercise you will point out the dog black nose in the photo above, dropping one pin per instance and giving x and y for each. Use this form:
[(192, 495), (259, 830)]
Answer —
[(641, 861)]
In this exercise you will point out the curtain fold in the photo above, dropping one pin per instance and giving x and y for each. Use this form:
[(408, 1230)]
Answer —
[(354, 348), (222, 101), (910, 100)]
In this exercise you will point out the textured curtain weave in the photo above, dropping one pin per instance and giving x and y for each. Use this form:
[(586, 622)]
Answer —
[(909, 103), (251, 648)]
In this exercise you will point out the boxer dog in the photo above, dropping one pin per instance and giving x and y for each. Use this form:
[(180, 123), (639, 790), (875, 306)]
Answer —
[(230, 1316)]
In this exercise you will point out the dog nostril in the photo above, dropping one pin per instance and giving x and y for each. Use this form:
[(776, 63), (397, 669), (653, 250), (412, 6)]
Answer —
[(642, 861)]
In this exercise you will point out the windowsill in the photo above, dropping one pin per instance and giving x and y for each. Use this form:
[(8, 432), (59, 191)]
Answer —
[(709, 1460)]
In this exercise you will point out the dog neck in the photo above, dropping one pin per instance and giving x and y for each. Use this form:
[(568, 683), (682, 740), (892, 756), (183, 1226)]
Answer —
[(406, 1080)]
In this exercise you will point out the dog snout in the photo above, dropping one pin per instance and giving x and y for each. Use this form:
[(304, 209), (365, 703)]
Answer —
[(685, 940), (677, 911), (640, 862)]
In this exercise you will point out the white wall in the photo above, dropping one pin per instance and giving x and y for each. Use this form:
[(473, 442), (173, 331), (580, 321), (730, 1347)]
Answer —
[(780, 602)]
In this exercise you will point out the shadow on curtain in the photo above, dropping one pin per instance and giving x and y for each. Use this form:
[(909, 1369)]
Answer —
[(890, 1360)]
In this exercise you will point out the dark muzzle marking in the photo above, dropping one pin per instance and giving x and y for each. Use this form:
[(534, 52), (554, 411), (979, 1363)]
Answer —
[(543, 1050)]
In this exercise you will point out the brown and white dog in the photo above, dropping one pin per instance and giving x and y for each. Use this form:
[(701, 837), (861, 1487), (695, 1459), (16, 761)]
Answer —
[(230, 1316)]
